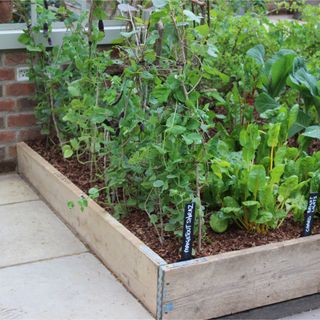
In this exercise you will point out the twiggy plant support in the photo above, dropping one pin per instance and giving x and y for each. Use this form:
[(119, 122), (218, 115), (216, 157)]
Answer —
[(200, 210), (181, 41), (159, 43), (53, 116)]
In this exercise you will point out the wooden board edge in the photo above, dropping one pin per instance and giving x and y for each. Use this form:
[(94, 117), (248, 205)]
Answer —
[(24, 150), (239, 253)]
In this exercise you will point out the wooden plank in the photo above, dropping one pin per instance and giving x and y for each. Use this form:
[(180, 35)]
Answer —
[(122, 252), (241, 280)]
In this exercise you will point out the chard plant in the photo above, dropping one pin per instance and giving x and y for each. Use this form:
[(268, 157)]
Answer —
[(260, 185)]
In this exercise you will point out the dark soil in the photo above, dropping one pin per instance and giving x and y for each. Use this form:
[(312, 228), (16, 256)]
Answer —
[(314, 146), (138, 222)]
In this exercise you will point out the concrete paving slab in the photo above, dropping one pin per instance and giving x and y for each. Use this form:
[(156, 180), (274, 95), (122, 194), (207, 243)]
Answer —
[(14, 189), (30, 231), (76, 288)]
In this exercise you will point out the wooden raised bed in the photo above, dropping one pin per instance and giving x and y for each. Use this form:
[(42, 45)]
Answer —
[(198, 289)]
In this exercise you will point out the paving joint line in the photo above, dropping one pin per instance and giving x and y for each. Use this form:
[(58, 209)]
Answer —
[(45, 259), (17, 202)]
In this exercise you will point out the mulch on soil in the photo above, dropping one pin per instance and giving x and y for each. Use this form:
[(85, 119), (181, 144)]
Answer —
[(138, 223)]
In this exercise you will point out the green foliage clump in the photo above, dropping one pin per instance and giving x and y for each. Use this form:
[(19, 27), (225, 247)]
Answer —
[(187, 106)]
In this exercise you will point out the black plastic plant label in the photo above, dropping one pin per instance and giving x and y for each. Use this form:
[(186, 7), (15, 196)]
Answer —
[(308, 218), (188, 226)]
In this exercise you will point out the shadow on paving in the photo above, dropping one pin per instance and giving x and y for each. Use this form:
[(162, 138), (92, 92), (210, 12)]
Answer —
[(279, 310)]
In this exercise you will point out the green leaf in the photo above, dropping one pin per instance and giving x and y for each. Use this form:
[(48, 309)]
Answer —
[(276, 173), (292, 153), (99, 13), (158, 184), (252, 207), (250, 137), (212, 51), (159, 3), (74, 91), (277, 71), (251, 203), (203, 30), (302, 122), (75, 144), (231, 210), (218, 222), (257, 53), (83, 203), (256, 178), (34, 48), (128, 34), (191, 16), (297, 205), (315, 182), (161, 94), (93, 193), (265, 102), (287, 187), (273, 134), (193, 138), (264, 217), (267, 198), (304, 81), (70, 204), (312, 132), (230, 202), (24, 38), (153, 218), (147, 75), (216, 95), (280, 155), (67, 151), (176, 130), (293, 115)]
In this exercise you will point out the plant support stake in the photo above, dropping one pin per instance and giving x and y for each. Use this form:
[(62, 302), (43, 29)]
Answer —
[(188, 226), (309, 215)]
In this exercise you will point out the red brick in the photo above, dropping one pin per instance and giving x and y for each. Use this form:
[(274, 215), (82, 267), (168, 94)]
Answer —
[(7, 136), (7, 74), (15, 58), (24, 104), (7, 105), (11, 152), (29, 134), (21, 120), (19, 89)]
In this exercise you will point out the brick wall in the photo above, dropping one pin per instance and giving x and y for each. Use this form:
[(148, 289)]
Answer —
[(17, 121)]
